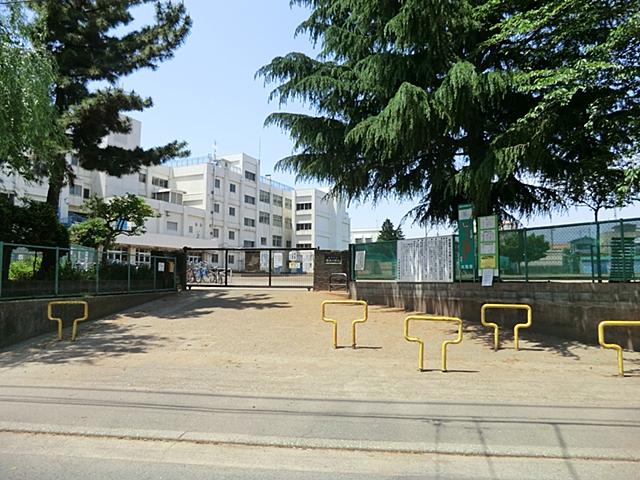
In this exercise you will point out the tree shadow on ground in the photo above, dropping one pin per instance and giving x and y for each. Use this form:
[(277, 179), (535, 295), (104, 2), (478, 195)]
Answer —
[(198, 303), (529, 341), (96, 340)]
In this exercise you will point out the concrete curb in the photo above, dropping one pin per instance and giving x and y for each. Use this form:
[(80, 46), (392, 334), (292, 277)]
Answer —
[(624, 455)]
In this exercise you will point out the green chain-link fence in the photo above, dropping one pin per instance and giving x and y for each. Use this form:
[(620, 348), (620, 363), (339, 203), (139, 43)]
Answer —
[(607, 250), (30, 271)]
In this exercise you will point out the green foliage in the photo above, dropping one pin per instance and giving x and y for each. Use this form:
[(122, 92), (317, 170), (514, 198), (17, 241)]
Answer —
[(33, 223), (93, 43), (93, 233), (492, 102), (28, 125), (513, 247), (24, 269), (121, 215), (388, 232)]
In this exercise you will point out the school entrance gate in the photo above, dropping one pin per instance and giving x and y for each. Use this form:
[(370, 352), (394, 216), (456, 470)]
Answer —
[(249, 267)]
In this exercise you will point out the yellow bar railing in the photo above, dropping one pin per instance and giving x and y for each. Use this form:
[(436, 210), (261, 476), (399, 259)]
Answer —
[(516, 329), (364, 318), (432, 318), (618, 348), (74, 330)]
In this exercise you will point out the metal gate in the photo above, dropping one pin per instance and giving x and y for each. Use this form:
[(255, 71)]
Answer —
[(249, 267)]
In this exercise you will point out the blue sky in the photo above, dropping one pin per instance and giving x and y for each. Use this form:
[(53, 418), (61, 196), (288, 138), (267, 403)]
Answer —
[(208, 94)]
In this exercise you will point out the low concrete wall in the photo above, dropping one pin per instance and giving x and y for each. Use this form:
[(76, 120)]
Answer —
[(23, 319), (567, 310)]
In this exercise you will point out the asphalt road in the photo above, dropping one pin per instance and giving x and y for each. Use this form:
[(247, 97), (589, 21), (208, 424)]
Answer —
[(244, 385)]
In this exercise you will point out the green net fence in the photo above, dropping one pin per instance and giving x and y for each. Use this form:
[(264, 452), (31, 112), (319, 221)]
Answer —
[(28, 271), (603, 251)]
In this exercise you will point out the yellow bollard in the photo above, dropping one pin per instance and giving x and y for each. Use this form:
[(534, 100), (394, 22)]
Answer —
[(74, 330), (613, 346), (432, 318), (353, 324), (516, 329)]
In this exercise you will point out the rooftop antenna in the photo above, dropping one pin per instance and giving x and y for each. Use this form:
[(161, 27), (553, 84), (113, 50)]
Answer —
[(215, 150), (259, 149)]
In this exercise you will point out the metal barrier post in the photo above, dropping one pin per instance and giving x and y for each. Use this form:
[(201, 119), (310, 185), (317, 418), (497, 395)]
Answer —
[(613, 346), (353, 324), (516, 329), (74, 331), (270, 265), (97, 272), (226, 267), (432, 318), (526, 257), (154, 265)]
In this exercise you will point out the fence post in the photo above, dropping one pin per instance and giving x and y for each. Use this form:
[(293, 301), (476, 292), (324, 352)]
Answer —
[(226, 267), (622, 245), (1, 265), (593, 271), (98, 258), (526, 256), (598, 252), (56, 284), (129, 272), (154, 265), (270, 265), (175, 273)]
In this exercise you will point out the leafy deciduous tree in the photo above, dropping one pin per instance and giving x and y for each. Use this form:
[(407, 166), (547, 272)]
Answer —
[(125, 215)]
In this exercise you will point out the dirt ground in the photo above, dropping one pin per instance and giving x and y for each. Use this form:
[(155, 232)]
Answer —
[(273, 342)]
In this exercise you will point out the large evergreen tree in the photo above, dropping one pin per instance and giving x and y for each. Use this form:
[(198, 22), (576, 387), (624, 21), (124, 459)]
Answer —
[(492, 102), (92, 44), (389, 232)]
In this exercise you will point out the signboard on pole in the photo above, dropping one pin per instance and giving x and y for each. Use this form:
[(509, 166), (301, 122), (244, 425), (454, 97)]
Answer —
[(425, 260), (466, 243), (488, 243)]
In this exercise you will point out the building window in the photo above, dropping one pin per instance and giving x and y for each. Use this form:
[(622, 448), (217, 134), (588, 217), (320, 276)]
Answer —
[(162, 196), (287, 203), (232, 259), (263, 241), (176, 198), (142, 177), (265, 196), (172, 226), (303, 206), (232, 235), (216, 233), (249, 243), (277, 240), (216, 208), (86, 193), (303, 245), (277, 200), (216, 183), (249, 222), (190, 228), (277, 221), (215, 258), (143, 258), (303, 226), (287, 223), (232, 187), (263, 217), (250, 175), (288, 243), (160, 182), (232, 211), (75, 190), (249, 199)]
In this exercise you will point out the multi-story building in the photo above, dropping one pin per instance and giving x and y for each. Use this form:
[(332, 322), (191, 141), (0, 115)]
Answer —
[(364, 235), (204, 202)]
